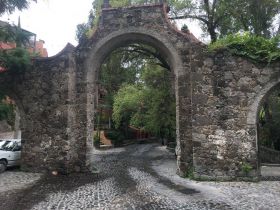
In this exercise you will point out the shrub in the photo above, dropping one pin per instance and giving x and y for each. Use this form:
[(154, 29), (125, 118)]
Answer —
[(251, 46), (115, 136), (246, 168), (190, 173), (15, 60)]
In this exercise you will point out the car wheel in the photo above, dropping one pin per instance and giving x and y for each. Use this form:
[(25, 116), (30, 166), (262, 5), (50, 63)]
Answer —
[(3, 166)]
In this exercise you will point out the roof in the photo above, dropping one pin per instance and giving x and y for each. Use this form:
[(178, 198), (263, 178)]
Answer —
[(3, 24)]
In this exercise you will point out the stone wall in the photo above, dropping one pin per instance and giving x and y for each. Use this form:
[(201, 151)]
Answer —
[(227, 91), (42, 96)]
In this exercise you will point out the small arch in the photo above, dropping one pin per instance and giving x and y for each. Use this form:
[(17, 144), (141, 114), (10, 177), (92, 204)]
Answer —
[(253, 114)]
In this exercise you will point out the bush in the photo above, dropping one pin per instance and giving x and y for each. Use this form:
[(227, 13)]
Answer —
[(15, 60), (251, 46), (246, 168), (115, 136)]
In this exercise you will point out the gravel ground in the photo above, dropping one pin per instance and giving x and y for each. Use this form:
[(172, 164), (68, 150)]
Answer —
[(134, 177)]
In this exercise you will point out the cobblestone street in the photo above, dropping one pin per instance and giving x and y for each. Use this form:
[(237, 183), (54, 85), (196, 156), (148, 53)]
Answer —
[(134, 177)]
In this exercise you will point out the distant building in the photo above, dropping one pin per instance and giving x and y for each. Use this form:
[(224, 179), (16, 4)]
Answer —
[(33, 46)]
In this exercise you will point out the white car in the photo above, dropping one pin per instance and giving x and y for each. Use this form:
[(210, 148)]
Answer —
[(10, 153)]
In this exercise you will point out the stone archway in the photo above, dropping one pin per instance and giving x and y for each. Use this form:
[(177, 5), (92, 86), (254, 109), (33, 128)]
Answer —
[(148, 25), (103, 49)]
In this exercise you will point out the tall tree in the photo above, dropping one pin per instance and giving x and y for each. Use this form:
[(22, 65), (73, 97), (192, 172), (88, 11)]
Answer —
[(220, 17), (256, 16)]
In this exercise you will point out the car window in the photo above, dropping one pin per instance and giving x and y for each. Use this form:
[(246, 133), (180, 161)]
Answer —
[(2, 143), (17, 147), (8, 146)]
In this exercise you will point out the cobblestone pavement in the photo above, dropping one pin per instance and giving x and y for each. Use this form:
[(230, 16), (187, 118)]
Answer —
[(136, 177), (12, 182)]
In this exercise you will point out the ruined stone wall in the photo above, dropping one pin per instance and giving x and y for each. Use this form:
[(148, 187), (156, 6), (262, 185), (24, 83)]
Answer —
[(43, 97), (227, 91)]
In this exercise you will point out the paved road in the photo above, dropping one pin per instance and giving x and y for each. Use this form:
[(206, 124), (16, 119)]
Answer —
[(135, 177)]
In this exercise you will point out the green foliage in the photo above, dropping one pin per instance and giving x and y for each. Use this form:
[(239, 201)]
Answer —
[(217, 18), (15, 60), (7, 33), (10, 6), (246, 168), (149, 105), (126, 103), (220, 18), (116, 137), (254, 47), (190, 173)]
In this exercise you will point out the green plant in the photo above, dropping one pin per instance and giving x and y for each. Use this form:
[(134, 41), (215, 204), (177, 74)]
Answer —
[(15, 60), (246, 168), (251, 46), (189, 173), (116, 136)]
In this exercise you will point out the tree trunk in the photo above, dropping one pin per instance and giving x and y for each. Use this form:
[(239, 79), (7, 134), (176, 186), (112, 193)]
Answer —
[(213, 34)]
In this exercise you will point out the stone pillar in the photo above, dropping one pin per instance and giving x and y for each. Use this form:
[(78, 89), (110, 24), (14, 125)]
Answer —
[(184, 125)]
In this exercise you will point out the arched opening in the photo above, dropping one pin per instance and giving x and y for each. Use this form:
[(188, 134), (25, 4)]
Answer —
[(102, 50), (268, 133), (10, 133), (135, 98)]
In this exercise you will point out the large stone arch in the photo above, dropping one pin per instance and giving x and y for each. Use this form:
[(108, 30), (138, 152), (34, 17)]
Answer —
[(176, 47), (120, 38)]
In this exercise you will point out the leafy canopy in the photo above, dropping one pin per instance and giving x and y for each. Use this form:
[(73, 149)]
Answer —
[(254, 47), (10, 6), (149, 105), (221, 17)]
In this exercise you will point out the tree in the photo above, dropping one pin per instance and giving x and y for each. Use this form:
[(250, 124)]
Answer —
[(149, 105), (220, 17), (14, 60), (10, 6), (255, 16)]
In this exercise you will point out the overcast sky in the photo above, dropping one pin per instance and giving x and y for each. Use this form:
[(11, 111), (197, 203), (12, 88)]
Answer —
[(55, 21)]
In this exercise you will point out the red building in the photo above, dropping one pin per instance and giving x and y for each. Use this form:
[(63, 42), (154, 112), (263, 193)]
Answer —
[(32, 45)]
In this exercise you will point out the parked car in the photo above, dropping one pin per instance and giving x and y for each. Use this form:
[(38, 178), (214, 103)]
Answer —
[(10, 153)]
